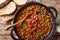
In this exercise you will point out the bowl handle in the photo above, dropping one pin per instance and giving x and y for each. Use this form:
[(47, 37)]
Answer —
[(55, 13), (13, 35)]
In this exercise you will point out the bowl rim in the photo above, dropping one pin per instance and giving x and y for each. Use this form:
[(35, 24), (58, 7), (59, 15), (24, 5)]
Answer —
[(30, 3)]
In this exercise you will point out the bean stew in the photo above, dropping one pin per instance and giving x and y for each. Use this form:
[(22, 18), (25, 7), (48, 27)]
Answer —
[(37, 26)]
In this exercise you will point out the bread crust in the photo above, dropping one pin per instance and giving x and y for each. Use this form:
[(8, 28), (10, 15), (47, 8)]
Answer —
[(7, 18), (8, 9), (20, 2), (4, 3)]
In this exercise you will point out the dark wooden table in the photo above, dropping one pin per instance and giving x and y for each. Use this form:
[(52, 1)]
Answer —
[(5, 35)]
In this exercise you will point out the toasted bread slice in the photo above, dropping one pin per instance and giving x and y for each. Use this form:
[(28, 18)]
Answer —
[(6, 18), (3, 3), (8, 9), (20, 2)]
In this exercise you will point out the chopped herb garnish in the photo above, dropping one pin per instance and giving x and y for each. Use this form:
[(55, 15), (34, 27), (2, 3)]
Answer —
[(44, 11), (41, 33), (28, 9), (45, 27), (45, 16), (24, 31), (28, 37), (37, 36), (48, 23), (39, 14), (24, 12), (35, 22), (24, 26)]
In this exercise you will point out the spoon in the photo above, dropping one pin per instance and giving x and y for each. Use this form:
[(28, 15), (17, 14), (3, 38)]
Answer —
[(19, 22)]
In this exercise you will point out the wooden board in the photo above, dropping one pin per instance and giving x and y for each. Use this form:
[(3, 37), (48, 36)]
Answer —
[(5, 35)]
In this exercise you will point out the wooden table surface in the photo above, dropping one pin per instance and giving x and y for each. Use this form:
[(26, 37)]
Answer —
[(5, 35)]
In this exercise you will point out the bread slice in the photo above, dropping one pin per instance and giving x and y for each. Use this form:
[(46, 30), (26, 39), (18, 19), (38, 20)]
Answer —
[(8, 9), (20, 2), (3, 3), (6, 18)]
